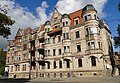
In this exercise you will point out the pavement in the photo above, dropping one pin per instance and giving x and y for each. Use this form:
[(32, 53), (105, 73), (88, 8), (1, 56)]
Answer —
[(77, 80), (65, 80)]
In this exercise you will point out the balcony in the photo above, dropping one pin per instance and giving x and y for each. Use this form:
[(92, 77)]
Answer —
[(94, 51), (40, 58), (41, 46), (32, 49), (55, 31), (16, 62), (32, 37), (41, 38)]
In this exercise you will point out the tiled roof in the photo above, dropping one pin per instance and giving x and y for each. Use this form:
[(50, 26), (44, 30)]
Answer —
[(76, 14), (27, 30)]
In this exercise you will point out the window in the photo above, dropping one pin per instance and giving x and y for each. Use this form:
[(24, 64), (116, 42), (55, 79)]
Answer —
[(66, 23), (92, 45), (93, 61), (95, 16), (78, 48), (89, 17), (89, 46), (60, 74), (48, 29), (68, 63), (85, 18), (77, 34), (63, 35), (60, 64), (67, 35), (54, 74), (25, 47), (68, 48), (54, 65), (76, 22), (48, 75), (68, 74), (99, 46), (11, 68), (87, 31), (60, 52), (48, 65), (59, 38), (54, 52), (53, 39), (63, 24), (79, 62), (25, 68), (48, 52), (48, 40), (64, 48)]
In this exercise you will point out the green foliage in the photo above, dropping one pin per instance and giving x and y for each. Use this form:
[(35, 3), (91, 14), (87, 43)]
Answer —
[(5, 22), (2, 61)]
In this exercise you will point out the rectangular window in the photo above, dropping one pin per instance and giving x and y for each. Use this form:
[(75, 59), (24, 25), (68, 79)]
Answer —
[(54, 52), (67, 35), (64, 48), (89, 17), (59, 38), (48, 40), (78, 48), (85, 18), (89, 46), (99, 45), (63, 24), (63, 35), (87, 31), (48, 52), (60, 52), (77, 34), (53, 39), (76, 22), (68, 48), (92, 45), (66, 23)]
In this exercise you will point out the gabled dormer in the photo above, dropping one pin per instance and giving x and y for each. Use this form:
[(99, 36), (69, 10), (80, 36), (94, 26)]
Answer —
[(55, 19), (18, 37)]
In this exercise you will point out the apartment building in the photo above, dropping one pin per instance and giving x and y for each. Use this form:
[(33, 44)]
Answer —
[(68, 45)]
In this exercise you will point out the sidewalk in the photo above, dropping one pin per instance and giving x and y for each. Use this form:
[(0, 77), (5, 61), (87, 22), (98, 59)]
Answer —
[(80, 80)]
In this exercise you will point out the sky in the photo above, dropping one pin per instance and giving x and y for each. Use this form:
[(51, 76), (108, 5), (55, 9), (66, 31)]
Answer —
[(33, 13)]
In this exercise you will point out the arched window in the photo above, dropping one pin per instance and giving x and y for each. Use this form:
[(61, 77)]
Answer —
[(60, 64), (93, 61), (79, 62), (54, 65)]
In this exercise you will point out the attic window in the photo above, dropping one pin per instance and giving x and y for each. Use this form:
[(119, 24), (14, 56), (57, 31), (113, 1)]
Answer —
[(76, 21)]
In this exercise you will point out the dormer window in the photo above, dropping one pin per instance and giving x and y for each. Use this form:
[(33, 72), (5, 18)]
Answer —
[(76, 22), (89, 17)]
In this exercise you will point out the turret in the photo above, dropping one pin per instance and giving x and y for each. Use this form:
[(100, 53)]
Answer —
[(89, 13)]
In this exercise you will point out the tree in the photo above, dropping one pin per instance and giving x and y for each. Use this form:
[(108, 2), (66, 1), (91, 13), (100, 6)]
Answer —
[(117, 38), (2, 61), (5, 22)]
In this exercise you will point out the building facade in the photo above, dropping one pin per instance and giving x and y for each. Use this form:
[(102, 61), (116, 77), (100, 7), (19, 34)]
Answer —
[(69, 45)]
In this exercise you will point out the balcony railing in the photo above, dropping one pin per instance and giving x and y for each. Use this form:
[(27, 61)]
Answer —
[(55, 31), (94, 51), (41, 46), (40, 58)]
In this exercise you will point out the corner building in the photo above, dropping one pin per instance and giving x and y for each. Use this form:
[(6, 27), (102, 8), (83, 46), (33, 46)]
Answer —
[(69, 45)]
